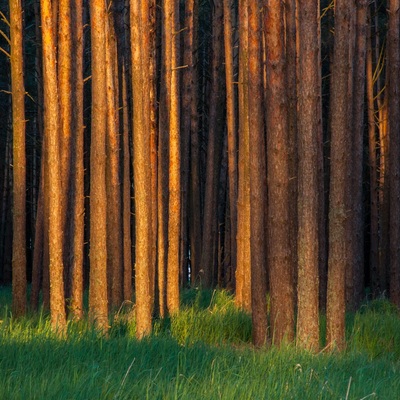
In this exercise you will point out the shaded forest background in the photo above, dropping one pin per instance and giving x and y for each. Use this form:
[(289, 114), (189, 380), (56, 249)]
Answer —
[(252, 146)]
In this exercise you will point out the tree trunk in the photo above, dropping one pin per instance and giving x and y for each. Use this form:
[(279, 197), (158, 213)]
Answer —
[(231, 129), (279, 246), (257, 178), (309, 152), (339, 181), (54, 193), (142, 176), (243, 271), (113, 183), (77, 203), (358, 135), (174, 206), (19, 161), (98, 301)]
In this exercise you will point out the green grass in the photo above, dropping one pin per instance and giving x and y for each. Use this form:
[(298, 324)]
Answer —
[(203, 353)]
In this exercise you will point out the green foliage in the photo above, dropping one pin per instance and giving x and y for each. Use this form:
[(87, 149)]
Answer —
[(202, 353)]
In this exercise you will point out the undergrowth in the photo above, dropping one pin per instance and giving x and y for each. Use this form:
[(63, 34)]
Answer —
[(204, 352)]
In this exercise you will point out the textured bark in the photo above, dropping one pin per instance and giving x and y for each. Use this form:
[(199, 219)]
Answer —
[(64, 70), (126, 191), (142, 177), (19, 161), (152, 103), (279, 246), (163, 162), (257, 178), (394, 152), (210, 237), (309, 152), (358, 134), (77, 203), (98, 301), (174, 206), (54, 189), (291, 73), (243, 271), (113, 183), (231, 130), (340, 166)]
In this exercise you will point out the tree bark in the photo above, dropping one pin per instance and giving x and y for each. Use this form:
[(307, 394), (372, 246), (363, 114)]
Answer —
[(98, 299), (257, 178), (339, 181), (309, 152), (54, 189), (243, 271), (19, 284), (279, 245)]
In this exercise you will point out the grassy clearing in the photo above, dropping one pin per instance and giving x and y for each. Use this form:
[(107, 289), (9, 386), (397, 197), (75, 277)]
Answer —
[(203, 353)]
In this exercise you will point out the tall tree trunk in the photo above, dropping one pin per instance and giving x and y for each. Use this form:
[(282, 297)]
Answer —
[(142, 175), (394, 152), (339, 181), (113, 183), (77, 203), (257, 178), (64, 69), (358, 135), (243, 271), (231, 129), (174, 206), (279, 245), (98, 301), (54, 193), (309, 151), (126, 191), (163, 162), (19, 161)]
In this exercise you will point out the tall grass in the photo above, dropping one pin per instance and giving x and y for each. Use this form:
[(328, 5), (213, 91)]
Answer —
[(203, 353)]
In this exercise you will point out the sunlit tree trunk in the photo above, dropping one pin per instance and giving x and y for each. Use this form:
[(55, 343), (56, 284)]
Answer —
[(339, 180), (142, 176), (279, 245), (19, 160), (77, 180), (64, 70), (174, 206), (243, 271), (98, 300), (163, 162), (54, 193), (309, 152), (231, 129)]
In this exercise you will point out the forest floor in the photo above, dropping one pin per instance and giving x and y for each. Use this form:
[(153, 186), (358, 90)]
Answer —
[(203, 353)]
